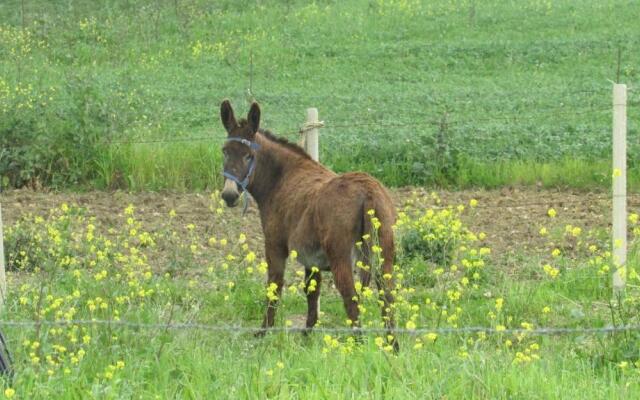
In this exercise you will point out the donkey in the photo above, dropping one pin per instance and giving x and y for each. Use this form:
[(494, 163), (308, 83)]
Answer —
[(308, 208)]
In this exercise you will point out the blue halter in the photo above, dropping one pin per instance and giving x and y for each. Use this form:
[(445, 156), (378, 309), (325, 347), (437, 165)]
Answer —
[(252, 166)]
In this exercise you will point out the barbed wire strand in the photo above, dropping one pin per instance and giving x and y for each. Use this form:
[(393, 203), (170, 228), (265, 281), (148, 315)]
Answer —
[(256, 330)]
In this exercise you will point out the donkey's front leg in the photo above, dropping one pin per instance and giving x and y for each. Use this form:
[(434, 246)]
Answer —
[(312, 280), (275, 280)]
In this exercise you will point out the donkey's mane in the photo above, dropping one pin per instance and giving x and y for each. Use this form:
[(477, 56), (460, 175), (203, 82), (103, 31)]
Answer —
[(279, 140)]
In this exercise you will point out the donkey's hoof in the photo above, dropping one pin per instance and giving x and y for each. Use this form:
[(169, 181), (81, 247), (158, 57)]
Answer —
[(396, 345)]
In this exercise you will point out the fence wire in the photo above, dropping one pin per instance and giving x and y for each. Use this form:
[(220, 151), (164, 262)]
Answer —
[(239, 329)]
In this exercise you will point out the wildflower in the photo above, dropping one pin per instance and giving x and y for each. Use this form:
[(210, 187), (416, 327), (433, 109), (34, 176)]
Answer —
[(556, 252), (551, 271), (633, 218), (551, 213), (473, 203), (616, 173), (543, 231), (293, 255), (499, 303), (9, 392)]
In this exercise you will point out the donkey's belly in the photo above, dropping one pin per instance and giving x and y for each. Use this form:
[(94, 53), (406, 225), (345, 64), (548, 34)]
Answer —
[(318, 258), (314, 258)]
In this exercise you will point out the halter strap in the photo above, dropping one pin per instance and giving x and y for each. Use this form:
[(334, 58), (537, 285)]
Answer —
[(252, 166), (252, 145)]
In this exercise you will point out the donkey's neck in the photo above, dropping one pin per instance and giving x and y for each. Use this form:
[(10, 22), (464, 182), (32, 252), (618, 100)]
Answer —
[(274, 161)]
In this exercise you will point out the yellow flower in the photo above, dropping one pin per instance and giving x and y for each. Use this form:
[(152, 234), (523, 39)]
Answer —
[(499, 303), (556, 252), (616, 172), (543, 231), (129, 210), (473, 202), (551, 271), (293, 255), (551, 213), (9, 392), (633, 218)]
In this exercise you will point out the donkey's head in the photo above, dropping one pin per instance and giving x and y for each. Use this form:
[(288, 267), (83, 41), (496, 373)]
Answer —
[(239, 151)]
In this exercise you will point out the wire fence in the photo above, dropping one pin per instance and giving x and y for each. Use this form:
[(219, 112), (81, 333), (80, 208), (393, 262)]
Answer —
[(239, 329)]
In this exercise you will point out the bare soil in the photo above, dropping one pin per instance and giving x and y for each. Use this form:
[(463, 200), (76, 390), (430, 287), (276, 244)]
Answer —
[(510, 217)]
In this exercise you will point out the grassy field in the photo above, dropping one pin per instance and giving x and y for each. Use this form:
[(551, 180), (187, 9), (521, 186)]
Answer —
[(453, 93), (184, 259)]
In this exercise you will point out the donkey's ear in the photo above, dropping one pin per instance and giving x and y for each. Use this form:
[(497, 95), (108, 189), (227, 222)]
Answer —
[(254, 117), (227, 117)]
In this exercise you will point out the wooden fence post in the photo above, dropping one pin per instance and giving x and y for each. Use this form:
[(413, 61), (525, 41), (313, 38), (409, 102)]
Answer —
[(310, 132), (619, 211), (3, 277)]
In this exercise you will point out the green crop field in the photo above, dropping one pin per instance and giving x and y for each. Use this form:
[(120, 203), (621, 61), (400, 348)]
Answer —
[(454, 93)]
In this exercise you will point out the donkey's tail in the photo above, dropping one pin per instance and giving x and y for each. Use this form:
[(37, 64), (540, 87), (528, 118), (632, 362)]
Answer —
[(378, 218), (379, 225)]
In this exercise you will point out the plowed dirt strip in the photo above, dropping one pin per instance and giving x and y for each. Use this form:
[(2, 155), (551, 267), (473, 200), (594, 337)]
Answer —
[(511, 218)]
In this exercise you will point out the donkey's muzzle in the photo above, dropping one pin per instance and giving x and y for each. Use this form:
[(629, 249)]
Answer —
[(230, 193)]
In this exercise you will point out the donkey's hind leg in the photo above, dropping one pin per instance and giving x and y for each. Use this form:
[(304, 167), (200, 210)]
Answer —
[(385, 287), (365, 270), (343, 277)]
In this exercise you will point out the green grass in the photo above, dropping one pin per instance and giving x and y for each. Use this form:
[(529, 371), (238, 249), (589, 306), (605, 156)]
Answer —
[(185, 276), (525, 87)]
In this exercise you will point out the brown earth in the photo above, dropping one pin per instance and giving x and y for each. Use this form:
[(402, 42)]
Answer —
[(510, 217)]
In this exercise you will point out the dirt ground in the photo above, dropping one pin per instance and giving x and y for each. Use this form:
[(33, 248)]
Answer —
[(510, 217)]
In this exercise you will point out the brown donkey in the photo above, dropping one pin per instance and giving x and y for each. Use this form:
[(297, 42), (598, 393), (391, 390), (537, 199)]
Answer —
[(307, 208)]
